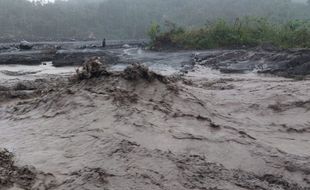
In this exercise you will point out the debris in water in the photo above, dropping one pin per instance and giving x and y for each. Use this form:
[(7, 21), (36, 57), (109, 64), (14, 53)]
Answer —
[(91, 68), (21, 177), (138, 71)]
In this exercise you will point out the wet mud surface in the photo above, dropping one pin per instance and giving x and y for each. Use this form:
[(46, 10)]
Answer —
[(21, 177), (137, 129), (61, 53), (287, 63)]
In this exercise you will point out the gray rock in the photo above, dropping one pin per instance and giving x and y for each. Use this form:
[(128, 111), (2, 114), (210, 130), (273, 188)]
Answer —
[(24, 45)]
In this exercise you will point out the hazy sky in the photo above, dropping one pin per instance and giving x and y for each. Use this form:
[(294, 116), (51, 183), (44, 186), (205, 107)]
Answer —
[(45, 1), (86, 0)]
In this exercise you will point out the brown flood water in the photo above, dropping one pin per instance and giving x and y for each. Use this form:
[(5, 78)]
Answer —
[(207, 130)]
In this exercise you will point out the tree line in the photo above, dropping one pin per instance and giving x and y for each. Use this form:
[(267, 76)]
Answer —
[(129, 19)]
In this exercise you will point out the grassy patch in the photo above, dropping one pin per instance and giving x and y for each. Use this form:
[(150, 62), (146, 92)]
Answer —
[(247, 31)]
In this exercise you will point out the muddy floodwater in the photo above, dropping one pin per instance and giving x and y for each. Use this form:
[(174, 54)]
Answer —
[(207, 120)]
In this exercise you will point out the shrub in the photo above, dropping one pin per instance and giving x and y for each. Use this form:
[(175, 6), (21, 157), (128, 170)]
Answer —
[(247, 31)]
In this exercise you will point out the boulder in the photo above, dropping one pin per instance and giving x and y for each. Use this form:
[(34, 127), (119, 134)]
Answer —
[(24, 45)]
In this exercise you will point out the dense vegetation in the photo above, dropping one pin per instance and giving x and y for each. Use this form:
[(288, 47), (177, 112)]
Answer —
[(115, 19), (243, 32)]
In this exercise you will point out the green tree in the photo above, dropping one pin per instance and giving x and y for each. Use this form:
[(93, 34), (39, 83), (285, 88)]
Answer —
[(154, 31)]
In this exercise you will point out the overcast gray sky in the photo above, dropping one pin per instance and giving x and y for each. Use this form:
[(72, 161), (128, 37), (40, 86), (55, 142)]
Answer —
[(43, 0), (219, 0)]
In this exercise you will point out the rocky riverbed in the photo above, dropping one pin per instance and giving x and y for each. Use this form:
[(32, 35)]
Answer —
[(195, 120)]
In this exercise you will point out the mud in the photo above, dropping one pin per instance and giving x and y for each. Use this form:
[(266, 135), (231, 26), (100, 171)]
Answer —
[(290, 63), (136, 72), (59, 58), (67, 45), (25, 58), (137, 129), (61, 53), (78, 57), (91, 68), (26, 177), (26, 89)]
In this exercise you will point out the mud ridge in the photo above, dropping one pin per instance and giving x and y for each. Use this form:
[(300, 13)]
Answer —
[(91, 78)]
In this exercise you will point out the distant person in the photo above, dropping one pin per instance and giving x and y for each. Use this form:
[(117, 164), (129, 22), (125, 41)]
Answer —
[(103, 43)]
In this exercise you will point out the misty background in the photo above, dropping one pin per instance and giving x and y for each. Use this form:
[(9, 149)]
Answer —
[(129, 19)]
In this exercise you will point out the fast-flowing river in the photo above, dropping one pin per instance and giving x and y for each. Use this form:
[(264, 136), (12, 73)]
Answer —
[(220, 125), (165, 63)]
